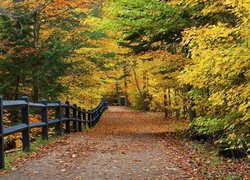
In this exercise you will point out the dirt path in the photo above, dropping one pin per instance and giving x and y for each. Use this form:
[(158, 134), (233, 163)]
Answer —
[(125, 144)]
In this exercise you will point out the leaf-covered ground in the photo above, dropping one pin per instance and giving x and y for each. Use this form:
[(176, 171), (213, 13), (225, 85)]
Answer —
[(127, 144)]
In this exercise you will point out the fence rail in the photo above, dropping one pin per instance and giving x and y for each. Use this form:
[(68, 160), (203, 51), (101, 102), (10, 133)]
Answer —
[(64, 113)]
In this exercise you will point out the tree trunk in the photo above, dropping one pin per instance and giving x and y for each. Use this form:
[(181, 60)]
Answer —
[(36, 29), (185, 110), (36, 39), (191, 112), (125, 85), (139, 89), (165, 105), (177, 110), (118, 93), (145, 93), (207, 92), (17, 87), (169, 104)]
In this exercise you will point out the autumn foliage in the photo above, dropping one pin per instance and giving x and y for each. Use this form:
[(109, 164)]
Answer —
[(196, 53), (188, 58)]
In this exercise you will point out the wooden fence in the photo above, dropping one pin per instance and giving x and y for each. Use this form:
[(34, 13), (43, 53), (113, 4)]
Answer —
[(64, 113)]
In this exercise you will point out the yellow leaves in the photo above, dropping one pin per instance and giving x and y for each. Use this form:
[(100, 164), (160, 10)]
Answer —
[(86, 98), (109, 45), (86, 82), (217, 99), (63, 7), (216, 54), (92, 21), (220, 60), (19, 142), (156, 71), (44, 35), (239, 7)]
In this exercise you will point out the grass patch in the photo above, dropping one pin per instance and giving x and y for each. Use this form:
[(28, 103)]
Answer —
[(39, 142), (14, 156)]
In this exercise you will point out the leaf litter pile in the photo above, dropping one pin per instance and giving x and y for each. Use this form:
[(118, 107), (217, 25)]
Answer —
[(127, 144)]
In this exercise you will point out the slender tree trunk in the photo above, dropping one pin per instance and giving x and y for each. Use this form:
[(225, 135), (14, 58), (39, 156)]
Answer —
[(190, 107), (165, 105), (169, 103), (35, 77), (125, 85), (207, 92), (185, 110), (139, 89), (118, 93), (17, 87), (36, 29), (145, 93), (191, 111), (177, 110)]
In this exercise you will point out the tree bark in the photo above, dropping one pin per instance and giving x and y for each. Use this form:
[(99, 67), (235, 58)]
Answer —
[(177, 110), (118, 93), (165, 105), (139, 89), (191, 111), (125, 85), (169, 103), (36, 29), (17, 87), (145, 93), (35, 77)]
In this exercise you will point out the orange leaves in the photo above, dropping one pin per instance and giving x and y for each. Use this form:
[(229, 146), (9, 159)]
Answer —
[(62, 8), (6, 118), (15, 140)]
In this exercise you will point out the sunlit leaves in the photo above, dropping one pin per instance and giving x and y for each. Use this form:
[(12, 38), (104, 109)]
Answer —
[(220, 61)]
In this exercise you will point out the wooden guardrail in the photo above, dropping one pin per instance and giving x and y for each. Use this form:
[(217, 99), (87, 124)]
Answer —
[(64, 113)]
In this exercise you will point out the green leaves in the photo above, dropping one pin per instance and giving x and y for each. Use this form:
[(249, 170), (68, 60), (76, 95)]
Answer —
[(145, 22)]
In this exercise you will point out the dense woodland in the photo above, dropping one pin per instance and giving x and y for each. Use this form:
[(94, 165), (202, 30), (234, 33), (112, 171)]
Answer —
[(188, 58)]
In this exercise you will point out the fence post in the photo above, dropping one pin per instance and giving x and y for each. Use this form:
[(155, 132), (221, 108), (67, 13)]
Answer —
[(102, 107), (93, 118), (105, 104), (98, 114), (80, 118), (100, 110), (59, 117), (89, 118), (75, 118), (25, 120), (44, 116), (67, 115), (84, 118), (2, 135)]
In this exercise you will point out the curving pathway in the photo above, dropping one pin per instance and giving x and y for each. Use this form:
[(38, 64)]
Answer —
[(126, 144)]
